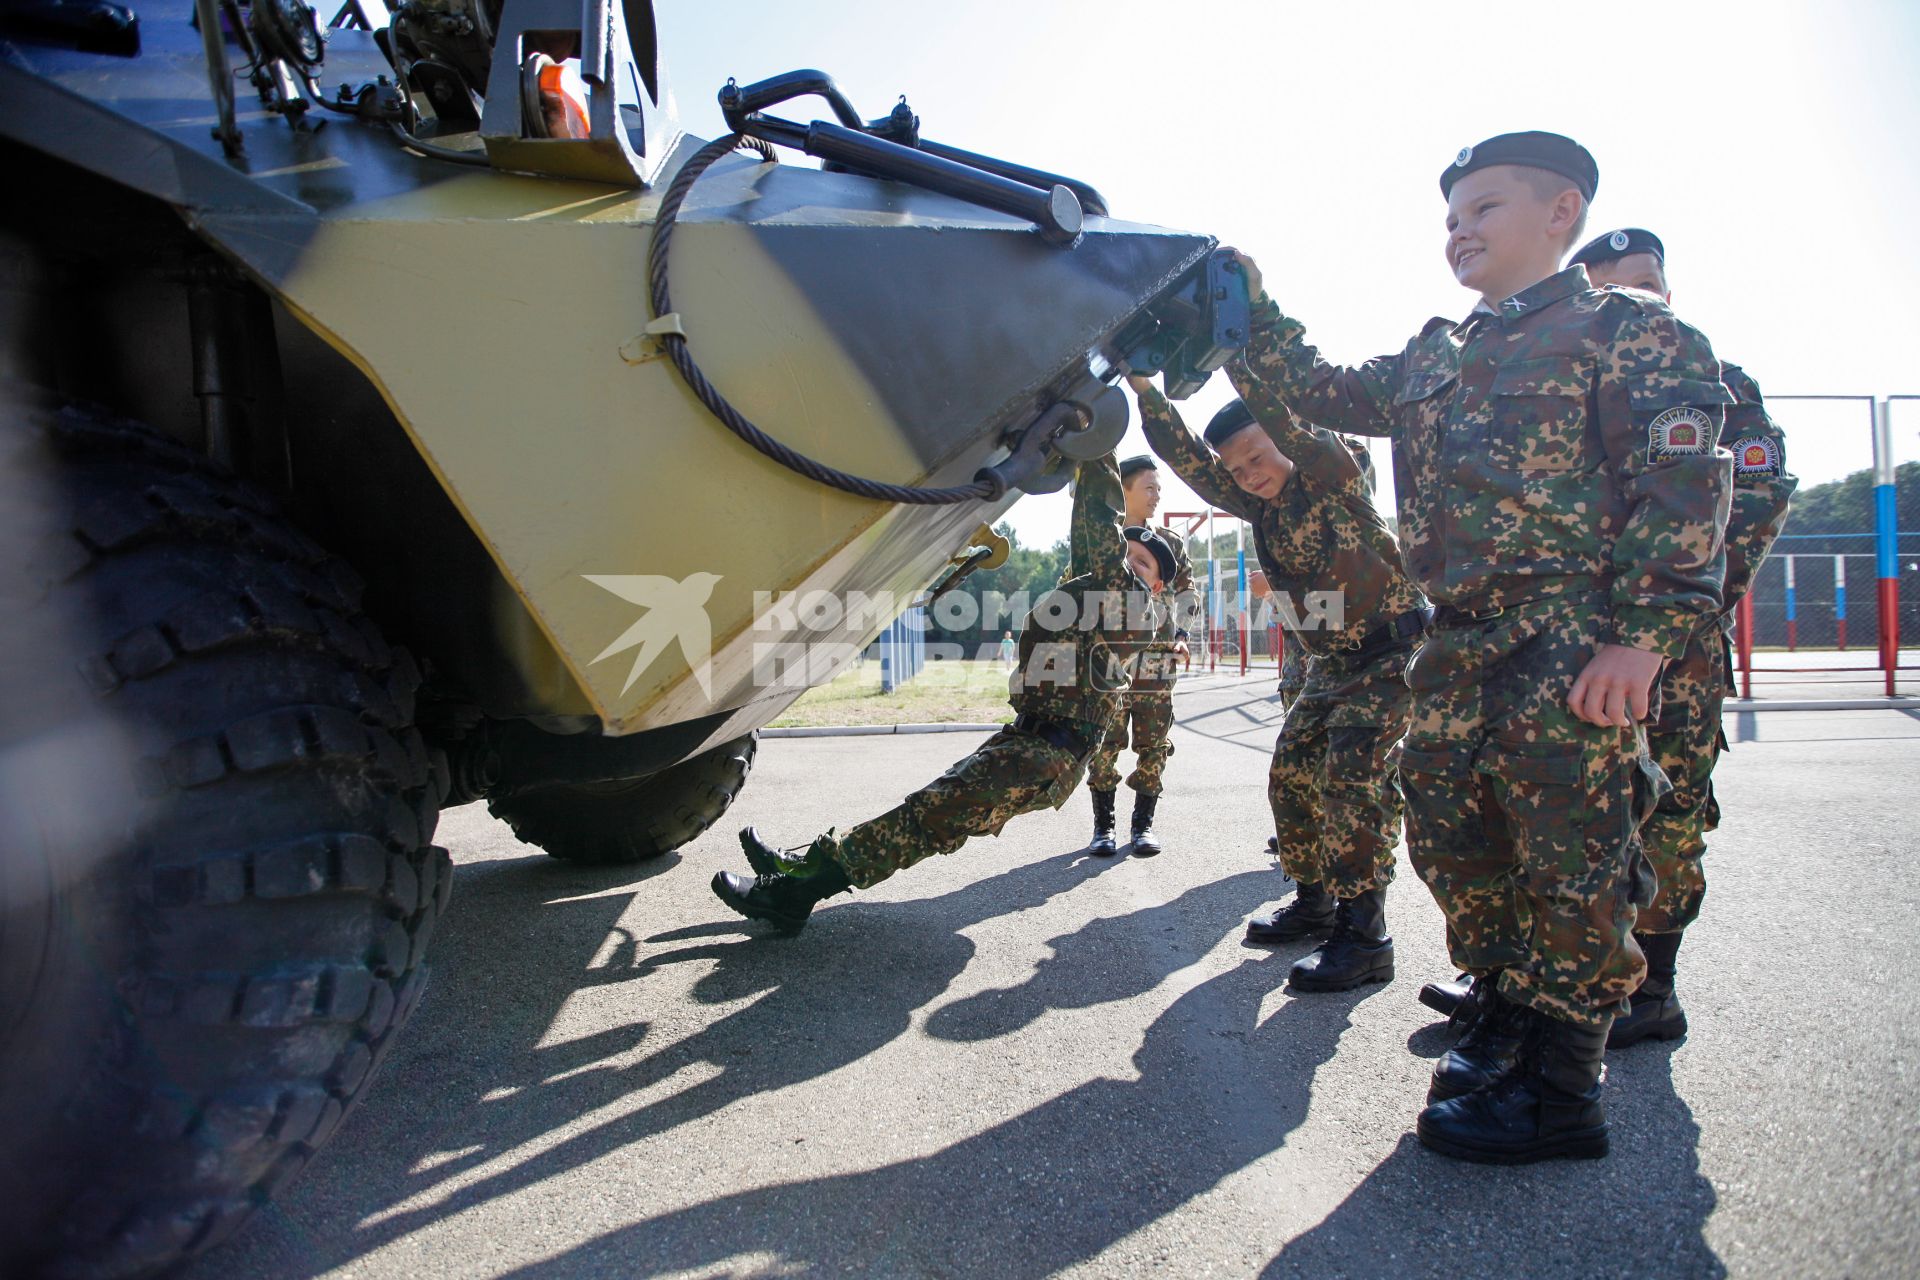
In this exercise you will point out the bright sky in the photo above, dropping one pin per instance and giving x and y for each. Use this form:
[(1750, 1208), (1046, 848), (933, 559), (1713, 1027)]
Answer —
[(1772, 146)]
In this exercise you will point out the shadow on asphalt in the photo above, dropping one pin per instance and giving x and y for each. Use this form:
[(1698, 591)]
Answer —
[(839, 991), (1641, 1211), (1217, 1090)]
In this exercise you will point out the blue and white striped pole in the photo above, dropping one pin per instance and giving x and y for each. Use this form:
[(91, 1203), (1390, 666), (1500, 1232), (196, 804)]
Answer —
[(1240, 553), (1885, 539), (1840, 599), (1793, 636)]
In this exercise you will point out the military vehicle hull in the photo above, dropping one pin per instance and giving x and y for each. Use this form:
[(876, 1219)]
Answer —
[(343, 477)]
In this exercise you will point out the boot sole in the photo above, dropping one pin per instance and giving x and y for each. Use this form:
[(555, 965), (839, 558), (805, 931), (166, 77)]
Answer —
[(786, 925), (1280, 939), (1319, 987), (1441, 1002), (1143, 853), (1583, 1144), (1103, 850)]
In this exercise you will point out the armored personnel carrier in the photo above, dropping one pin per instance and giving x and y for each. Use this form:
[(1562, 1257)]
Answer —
[(400, 411)]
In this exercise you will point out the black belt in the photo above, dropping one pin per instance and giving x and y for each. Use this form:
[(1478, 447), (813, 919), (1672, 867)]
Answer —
[(1070, 736), (1408, 626), (1458, 615)]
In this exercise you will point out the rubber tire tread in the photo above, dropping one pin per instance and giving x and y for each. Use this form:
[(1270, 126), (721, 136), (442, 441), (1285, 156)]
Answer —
[(633, 821), (260, 928)]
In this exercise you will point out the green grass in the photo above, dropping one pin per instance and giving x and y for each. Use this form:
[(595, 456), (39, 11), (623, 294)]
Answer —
[(968, 692)]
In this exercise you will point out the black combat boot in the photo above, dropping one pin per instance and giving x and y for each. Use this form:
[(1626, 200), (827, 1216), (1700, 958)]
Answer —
[(1445, 998), (1488, 1049), (1654, 1012), (784, 897), (1145, 844), (1357, 952), (1549, 1106), (1309, 915), (764, 858), (1103, 845)]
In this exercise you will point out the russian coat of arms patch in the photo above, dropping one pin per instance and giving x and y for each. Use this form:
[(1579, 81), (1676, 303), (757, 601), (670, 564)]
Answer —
[(1681, 429)]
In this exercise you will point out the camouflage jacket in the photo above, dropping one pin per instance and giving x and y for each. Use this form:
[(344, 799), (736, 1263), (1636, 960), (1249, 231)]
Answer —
[(1762, 485), (1081, 642), (1561, 443), (1331, 561)]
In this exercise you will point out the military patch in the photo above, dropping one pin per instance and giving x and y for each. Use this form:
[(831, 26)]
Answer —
[(1466, 154), (1681, 429), (1618, 241), (1756, 455)]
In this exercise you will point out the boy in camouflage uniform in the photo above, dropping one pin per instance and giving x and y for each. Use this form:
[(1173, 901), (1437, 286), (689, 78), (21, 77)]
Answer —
[(1687, 739), (1078, 649), (1147, 706), (1563, 501), (1326, 554)]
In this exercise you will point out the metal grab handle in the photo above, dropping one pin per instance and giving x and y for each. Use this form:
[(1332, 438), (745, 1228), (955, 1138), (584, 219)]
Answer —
[(1057, 212), (892, 148), (1090, 200), (736, 104)]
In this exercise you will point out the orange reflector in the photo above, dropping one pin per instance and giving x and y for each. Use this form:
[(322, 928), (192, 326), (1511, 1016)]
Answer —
[(563, 101)]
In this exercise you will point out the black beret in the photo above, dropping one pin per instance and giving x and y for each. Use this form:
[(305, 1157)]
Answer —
[(1534, 149), (1615, 245), (1232, 419), (1129, 467), (1154, 542)]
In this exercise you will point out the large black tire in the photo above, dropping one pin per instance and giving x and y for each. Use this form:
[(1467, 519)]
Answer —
[(213, 919), (635, 819)]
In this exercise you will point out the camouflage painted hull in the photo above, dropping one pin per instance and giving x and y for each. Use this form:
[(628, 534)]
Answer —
[(499, 318)]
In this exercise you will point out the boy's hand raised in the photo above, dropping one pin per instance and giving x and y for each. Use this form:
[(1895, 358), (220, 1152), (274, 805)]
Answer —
[(1252, 269), (1612, 690)]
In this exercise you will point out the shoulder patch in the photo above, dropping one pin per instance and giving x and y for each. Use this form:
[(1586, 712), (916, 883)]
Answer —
[(1755, 456), (1680, 430)]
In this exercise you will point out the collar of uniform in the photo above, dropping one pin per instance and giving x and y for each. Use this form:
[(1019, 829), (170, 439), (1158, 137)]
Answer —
[(1480, 314), (1534, 297)]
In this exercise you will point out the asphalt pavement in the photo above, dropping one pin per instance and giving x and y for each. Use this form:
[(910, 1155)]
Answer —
[(1019, 1061)]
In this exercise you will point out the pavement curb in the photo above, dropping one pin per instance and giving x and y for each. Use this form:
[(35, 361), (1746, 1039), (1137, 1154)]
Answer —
[(1822, 704), (871, 730)]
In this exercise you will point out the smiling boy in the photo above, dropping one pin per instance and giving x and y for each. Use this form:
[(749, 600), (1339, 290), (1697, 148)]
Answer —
[(1335, 570), (1562, 501)]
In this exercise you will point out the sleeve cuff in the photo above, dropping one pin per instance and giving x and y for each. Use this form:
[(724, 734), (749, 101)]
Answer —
[(1664, 631)]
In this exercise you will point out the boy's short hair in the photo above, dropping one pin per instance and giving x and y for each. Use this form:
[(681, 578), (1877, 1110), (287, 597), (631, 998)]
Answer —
[(1546, 184), (1131, 467), (1233, 418)]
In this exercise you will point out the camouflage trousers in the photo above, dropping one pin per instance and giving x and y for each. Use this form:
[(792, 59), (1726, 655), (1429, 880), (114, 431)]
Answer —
[(1521, 818), (1336, 802), (1293, 672), (1012, 773), (1149, 712), (1686, 743)]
